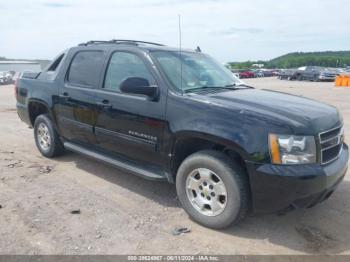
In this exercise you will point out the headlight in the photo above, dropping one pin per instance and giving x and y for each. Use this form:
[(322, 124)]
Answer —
[(289, 150)]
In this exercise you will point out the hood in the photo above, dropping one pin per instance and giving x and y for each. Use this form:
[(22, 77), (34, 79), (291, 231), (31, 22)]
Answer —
[(302, 115)]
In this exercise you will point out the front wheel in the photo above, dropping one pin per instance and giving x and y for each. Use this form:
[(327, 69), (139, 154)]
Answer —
[(213, 189)]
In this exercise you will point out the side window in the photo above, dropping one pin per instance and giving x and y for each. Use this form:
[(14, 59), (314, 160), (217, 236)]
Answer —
[(55, 64), (123, 65), (85, 69)]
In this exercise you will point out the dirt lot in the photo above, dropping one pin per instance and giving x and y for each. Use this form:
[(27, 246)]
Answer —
[(124, 214)]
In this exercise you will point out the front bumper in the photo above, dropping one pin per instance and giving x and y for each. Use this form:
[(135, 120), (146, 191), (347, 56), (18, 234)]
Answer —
[(328, 78), (277, 188)]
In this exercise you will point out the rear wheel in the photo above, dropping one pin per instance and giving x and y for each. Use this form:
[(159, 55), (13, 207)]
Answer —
[(46, 137), (213, 189)]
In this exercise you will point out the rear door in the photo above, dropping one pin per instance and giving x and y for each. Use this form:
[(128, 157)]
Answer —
[(130, 125), (76, 105), (308, 73)]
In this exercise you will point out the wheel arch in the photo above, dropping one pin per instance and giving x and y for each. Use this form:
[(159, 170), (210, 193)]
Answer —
[(188, 142), (38, 107)]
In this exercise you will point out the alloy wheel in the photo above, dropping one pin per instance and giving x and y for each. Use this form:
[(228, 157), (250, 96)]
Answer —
[(206, 192), (43, 135)]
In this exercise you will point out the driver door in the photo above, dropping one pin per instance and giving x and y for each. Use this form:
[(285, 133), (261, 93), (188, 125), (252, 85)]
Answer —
[(129, 125)]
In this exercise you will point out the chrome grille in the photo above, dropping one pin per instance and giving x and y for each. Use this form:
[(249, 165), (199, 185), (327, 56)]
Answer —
[(331, 144)]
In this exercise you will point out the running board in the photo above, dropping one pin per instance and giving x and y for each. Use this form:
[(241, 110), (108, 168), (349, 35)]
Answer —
[(118, 163)]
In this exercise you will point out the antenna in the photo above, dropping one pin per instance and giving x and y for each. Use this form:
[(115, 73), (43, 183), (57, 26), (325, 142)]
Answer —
[(180, 47)]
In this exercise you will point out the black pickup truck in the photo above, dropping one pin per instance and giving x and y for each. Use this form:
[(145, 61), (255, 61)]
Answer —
[(179, 116)]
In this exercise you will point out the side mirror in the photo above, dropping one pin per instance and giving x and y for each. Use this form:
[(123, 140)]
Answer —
[(138, 86)]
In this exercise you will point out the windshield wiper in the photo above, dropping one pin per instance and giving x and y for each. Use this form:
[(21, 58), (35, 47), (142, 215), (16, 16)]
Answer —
[(238, 86), (202, 88), (233, 86)]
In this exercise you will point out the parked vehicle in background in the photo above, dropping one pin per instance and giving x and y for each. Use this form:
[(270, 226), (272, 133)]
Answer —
[(255, 73), (5, 78), (316, 73), (267, 73), (310, 73), (15, 77), (11, 75), (247, 74), (328, 74), (259, 74), (288, 74), (276, 72), (184, 118), (2, 78)]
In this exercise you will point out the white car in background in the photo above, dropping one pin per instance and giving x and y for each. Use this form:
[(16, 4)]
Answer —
[(259, 74), (3, 78), (6, 78)]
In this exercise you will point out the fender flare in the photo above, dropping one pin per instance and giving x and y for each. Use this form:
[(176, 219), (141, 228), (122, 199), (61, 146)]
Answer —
[(178, 136), (46, 105)]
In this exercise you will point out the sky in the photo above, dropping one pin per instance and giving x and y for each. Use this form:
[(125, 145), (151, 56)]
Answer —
[(229, 30)]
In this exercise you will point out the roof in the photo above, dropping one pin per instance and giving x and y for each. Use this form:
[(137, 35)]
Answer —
[(17, 62), (120, 41), (132, 43)]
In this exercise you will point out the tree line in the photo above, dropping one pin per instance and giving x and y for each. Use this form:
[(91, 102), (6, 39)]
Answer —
[(298, 59)]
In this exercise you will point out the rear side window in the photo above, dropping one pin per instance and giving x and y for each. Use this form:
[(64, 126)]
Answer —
[(85, 69), (55, 64)]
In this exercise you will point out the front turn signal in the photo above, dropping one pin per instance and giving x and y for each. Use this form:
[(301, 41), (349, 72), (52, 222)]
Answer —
[(274, 149)]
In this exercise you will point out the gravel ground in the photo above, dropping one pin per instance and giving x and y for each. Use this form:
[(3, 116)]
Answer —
[(118, 213)]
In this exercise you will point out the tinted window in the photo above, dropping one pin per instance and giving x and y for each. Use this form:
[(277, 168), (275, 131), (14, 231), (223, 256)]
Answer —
[(56, 63), (85, 69), (123, 65)]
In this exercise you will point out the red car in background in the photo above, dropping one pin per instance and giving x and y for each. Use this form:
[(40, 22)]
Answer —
[(246, 74)]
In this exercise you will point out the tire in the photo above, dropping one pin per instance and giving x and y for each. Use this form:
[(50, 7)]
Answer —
[(46, 137), (222, 170)]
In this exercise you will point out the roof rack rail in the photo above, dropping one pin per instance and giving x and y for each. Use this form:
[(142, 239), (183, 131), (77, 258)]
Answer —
[(92, 42), (118, 41), (121, 41)]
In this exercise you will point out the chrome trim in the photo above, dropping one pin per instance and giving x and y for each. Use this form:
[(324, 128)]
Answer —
[(341, 126), (339, 142), (329, 139), (340, 151)]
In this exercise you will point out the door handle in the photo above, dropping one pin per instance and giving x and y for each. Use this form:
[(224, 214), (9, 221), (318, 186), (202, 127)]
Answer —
[(64, 95), (104, 103)]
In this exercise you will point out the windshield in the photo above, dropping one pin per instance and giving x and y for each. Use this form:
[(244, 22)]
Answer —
[(198, 71)]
